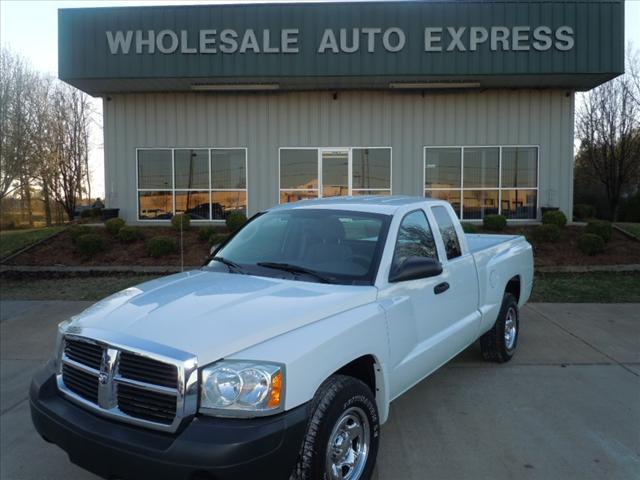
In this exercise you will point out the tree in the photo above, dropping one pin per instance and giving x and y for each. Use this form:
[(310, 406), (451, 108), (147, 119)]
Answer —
[(608, 126)]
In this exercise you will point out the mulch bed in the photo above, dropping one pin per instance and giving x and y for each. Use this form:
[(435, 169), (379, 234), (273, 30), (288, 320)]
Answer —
[(61, 251)]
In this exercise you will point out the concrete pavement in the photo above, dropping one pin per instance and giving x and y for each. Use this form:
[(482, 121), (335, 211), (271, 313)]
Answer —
[(567, 406)]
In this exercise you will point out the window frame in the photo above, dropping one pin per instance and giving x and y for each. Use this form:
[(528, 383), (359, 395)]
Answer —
[(499, 188), (319, 150), (174, 191)]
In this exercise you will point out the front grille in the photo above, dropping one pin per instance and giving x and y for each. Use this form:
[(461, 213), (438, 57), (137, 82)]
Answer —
[(80, 382), (88, 354), (153, 406), (142, 369)]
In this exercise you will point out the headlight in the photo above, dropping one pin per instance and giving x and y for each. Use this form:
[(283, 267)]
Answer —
[(62, 328), (242, 389)]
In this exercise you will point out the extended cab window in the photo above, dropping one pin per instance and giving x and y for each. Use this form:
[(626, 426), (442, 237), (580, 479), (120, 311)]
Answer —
[(415, 239), (448, 232)]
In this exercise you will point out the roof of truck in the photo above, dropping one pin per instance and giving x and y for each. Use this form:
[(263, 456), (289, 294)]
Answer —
[(365, 203)]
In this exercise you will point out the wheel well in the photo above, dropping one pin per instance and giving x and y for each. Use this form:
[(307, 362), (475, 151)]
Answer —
[(363, 369), (513, 287)]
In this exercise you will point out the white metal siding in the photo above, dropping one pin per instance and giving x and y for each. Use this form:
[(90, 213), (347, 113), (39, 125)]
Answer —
[(263, 122)]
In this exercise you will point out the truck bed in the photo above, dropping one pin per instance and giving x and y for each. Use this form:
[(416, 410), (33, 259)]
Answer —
[(481, 241)]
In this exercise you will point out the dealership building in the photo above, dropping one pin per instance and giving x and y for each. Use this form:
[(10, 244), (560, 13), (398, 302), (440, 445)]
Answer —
[(219, 108)]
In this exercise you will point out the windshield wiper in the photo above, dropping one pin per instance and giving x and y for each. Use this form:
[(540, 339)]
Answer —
[(233, 266), (287, 267)]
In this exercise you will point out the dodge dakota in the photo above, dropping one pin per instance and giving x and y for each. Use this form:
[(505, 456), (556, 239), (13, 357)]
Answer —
[(280, 357)]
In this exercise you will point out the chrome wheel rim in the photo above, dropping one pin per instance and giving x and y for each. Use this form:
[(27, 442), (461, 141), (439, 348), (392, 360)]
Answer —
[(348, 447), (510, 329)]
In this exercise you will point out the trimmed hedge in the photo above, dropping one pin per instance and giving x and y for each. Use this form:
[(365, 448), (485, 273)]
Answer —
[(591, 244), (216, 239), (91, 213), (113, 225), (602, 228), (469, 227), (77, 231), (554, 217), (162, 245), (582, 211), (495, 223), (90, 243), (130, 234), (205, 232), (546, 233), (181, 219), (236, 220)]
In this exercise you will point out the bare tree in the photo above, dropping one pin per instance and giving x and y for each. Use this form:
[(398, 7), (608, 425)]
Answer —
[(608, 126)]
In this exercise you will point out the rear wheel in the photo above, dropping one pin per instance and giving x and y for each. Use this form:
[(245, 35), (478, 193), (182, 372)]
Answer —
[(499, 344), (342, 438)]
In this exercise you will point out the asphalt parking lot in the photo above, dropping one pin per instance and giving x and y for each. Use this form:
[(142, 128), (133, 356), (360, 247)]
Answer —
[(567, 406)]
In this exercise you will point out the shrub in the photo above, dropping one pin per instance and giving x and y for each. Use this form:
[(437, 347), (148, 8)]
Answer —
[(216, 239), (236, 220), (91, 213), (77, 231), (591, 244), (630, 209), (130, 234), (554, 217), (469, 227), (181, 221), (162, 245), (90, 243), (601, 228), (205, 233), (546, 233), (494, 223), (114, 225), (582, 211)]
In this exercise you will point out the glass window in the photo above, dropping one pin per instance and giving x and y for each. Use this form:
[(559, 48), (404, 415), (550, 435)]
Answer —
[(519, 167), (371, 168), (224, 203), (192, 169), (415, 239), (296, 196), (442, 167), (193, 203), (298, 169), (155, 205), (448, 232), (481, 167), (335, 173), (451, 196), (155, 170), (519, 204), (478, 203), (228, 169)]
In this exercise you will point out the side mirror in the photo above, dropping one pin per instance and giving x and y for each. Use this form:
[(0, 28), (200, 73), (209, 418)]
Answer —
[(416, 267)]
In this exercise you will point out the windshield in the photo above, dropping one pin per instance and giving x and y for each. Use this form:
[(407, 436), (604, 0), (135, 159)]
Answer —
[(308, 244)]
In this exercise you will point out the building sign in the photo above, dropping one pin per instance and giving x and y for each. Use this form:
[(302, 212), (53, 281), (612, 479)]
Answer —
[(343, 40)]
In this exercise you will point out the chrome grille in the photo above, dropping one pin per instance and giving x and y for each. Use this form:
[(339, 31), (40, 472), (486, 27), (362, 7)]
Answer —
[(128, 384)]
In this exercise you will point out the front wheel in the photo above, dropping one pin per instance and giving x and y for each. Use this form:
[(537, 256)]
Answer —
[(342, 437), (499, 344)]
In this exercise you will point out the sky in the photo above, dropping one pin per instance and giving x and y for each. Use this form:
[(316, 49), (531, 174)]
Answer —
[(30, 27)]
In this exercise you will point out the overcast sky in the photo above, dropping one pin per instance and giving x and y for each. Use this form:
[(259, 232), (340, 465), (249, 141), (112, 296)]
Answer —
[(31, 28)]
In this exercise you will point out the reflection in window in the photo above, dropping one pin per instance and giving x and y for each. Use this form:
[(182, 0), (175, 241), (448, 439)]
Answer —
[(442, 167), (451, 196), (371, 168), (447, 232), (228, 169), (192, 169), (478, 203), (154, 169), (193, 203), (519, 204), (415, 239), (298, 169), (481, 167), (519, 167), (224, 203), (335, 173), (155, 205), (296, 196)]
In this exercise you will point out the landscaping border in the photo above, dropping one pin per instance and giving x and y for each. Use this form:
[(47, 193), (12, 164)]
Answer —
[(28, 247)]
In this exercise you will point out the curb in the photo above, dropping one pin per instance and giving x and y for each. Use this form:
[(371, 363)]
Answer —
[(589, 268), (29, 247)]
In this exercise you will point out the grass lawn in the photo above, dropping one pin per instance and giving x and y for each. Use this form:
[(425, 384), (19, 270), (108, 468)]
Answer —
[(632, 228), (13, 240), (548, 287), (596, 287)]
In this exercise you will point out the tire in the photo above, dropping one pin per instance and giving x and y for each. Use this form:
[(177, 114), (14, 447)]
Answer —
[(341, 404), (499, 344)]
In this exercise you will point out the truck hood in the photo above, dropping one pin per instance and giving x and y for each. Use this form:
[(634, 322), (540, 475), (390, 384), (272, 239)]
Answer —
[(213, 315)]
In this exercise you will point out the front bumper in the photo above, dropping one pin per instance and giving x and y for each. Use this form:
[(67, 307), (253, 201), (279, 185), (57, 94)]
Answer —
[(204, 448)]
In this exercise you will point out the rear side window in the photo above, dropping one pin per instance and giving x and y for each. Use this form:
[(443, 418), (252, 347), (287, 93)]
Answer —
[(448, 232), (415, 239)]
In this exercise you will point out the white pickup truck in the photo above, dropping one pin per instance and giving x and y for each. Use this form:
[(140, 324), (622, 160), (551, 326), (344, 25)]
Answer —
[(280, 357)]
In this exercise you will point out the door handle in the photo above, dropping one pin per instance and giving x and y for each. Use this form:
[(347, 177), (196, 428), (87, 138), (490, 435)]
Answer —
[(441, 288)]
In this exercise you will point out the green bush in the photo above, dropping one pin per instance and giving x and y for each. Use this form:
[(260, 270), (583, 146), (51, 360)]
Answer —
[(90, 243), (91, 213), (181, 221), (630, 209), (216, 239), (205, 232), (495, 223), (546, 233), (114, 225), (236, 220), (554, 217), (591, 244), (162, 245), (582, 211), (130, 234), (602, 228), (77, 231), (469, 227)]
